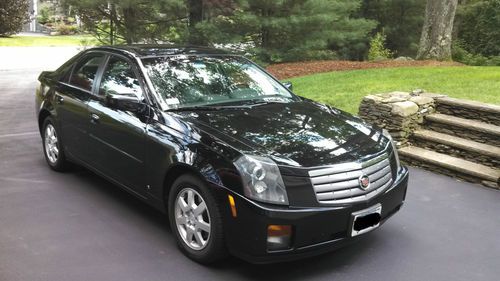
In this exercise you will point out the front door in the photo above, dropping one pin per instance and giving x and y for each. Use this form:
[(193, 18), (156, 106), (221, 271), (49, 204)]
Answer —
[(117, 136)]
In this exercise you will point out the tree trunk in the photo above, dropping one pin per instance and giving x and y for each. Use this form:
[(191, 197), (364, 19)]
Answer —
[(435, 41), (265, 34), (130, 24), (112, 15), (195, 16)]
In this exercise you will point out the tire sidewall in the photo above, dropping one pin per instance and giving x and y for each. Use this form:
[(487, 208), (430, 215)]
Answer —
[(213, 250), (59, 164)]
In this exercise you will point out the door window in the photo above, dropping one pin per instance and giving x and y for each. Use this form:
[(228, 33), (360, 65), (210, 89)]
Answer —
[(119, 79), (85, 72)]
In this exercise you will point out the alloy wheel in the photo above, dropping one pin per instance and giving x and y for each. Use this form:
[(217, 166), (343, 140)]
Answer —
[(192, 219), (51, 144)]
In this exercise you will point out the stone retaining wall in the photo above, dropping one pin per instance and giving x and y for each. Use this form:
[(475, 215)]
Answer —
[(460, 153), (441, 170), (403, 113), (479, 136), (400, 113), (487, 113)]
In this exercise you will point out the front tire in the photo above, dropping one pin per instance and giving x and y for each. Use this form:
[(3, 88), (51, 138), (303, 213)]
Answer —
[(52, 146), (196, 220)]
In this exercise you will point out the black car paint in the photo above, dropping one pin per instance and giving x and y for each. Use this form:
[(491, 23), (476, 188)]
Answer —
[(290, 131), (143, 151)]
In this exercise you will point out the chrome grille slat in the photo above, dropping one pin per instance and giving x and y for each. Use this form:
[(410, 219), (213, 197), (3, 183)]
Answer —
[(339, 184), (359, 198), (376, 167), (335, 169), (372, 186), (374, 160), (336, 177), (346, 193), (380, 173), (336, 186)]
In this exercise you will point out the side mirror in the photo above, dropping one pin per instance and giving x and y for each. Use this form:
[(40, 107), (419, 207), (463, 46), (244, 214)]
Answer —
[(126, 101), (288, 85)]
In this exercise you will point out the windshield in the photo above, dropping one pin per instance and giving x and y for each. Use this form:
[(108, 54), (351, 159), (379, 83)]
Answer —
[(186, 81)]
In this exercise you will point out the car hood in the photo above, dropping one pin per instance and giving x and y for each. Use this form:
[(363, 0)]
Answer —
[(301, 133)]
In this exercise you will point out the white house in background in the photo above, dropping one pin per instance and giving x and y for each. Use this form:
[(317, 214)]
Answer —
[(33, 9)]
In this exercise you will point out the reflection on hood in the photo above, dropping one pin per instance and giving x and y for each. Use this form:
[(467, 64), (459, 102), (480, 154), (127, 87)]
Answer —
[(298, 133)]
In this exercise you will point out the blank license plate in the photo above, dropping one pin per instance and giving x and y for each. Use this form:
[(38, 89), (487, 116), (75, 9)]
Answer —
[(366, 220)]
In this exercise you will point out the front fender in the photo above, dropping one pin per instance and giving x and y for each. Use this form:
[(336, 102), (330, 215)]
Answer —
[(171, 152), (44, 105)]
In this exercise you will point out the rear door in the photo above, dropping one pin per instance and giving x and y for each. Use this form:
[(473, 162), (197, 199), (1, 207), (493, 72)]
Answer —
[(117, 136), (71, 96)]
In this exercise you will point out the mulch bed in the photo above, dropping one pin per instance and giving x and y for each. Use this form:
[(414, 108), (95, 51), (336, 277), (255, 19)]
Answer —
[(287, 70)]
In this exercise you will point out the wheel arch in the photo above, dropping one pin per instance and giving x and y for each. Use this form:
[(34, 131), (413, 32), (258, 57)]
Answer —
[(172, 174), (44, 113)]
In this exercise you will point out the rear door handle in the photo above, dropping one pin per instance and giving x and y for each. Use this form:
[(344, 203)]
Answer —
[(94, 118)]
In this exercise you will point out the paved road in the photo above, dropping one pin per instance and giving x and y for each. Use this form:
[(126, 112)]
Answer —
[(29, 58), (76, 226)]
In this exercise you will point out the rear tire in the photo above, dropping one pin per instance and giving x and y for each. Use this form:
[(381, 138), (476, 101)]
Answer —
[(195, 220), (52, 146)]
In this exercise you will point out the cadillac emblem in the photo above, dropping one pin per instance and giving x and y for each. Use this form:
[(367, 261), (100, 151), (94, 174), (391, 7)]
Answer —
[(364, 181)]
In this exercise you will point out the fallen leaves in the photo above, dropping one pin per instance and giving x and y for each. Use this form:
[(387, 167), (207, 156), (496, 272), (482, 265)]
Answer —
[(288, 70)]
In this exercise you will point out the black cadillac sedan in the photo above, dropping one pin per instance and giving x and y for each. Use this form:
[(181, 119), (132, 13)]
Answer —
[(240, 164)]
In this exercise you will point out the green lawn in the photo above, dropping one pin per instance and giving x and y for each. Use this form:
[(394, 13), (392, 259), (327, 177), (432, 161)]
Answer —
[(345, 89), (30, 41)]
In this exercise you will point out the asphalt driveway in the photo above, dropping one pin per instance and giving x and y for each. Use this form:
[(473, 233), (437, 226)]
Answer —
[(76, 226)]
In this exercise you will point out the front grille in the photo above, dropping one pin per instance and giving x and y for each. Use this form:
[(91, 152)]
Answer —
[(339, 184)]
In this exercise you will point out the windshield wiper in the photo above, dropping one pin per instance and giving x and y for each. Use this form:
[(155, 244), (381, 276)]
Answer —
[(257, 102), (208, 108)]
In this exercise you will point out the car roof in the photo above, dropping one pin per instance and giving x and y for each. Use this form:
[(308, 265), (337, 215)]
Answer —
[(163, 50)]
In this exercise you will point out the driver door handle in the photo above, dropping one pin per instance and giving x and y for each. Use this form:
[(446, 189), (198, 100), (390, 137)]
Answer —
[(59, 99), (94, 118)]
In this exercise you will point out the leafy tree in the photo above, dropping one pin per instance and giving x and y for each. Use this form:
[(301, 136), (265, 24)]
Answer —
[(288, 30), (478, 27), (13, 14), (201, 12), (273, 31), (400, 20), (131, 21), (45, 13)]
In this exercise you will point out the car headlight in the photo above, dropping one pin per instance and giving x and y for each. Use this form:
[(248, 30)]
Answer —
[(262, 179), (394, 149)]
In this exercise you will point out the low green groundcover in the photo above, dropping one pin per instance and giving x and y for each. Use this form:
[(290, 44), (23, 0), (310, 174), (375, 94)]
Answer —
[(345, 89), (32, 41)]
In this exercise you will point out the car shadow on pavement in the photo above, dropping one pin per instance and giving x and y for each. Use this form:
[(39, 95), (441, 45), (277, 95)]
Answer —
[(337, 261), (121, 197)]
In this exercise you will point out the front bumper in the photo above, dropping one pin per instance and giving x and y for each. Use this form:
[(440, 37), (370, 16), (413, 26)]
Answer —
[(315, 230)]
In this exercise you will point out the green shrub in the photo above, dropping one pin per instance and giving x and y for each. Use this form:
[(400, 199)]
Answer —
[(65, 29), (460, 54), (378, 51), (45, 14)]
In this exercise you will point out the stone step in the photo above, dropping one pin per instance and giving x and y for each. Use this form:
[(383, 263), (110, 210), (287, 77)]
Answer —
[(465, 128), (476, 152), (450, 165), (488, 113)]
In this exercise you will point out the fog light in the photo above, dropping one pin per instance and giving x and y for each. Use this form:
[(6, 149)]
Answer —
[(279, 237)]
